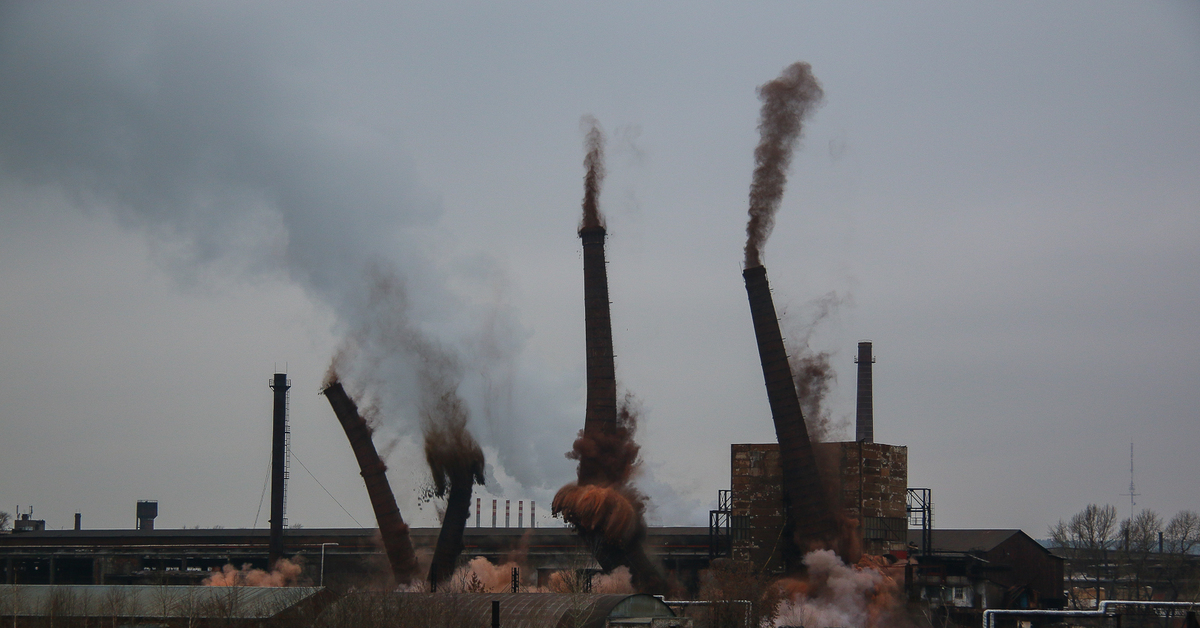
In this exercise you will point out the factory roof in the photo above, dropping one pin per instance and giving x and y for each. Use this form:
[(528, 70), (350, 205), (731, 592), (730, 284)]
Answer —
[(969, 541), (517, 610), (146, 601)]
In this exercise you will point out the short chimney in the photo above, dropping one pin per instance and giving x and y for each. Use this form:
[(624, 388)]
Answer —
[(864, 429)]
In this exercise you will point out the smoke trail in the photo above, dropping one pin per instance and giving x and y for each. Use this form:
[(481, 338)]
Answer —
[(812, 370), (593, 161), (387, 339), (786, 100), (196, 127)]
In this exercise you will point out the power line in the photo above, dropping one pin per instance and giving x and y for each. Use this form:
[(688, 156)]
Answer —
[(323, 488)]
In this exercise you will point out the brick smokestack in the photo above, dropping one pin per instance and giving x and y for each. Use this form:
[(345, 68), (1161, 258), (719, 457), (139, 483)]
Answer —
[(809, 520), (864, 424), (392, 529), (278, 466), (601, 415)]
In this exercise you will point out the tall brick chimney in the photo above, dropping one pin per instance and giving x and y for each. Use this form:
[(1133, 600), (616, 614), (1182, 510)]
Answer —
[(809, 518), (864, 424)]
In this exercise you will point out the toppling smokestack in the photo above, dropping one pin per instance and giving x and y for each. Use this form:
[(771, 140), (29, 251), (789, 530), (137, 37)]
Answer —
[(601, 414), (280, 385), (864, 424), (456, 462), (786, 100), (809, 519), (602, 506), (392, 529)]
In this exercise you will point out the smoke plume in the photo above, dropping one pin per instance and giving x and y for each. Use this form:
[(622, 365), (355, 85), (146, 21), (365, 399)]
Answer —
[(205, 131), (786, 101), (813, 370), (836, 594), (285, 573), (593, 162)]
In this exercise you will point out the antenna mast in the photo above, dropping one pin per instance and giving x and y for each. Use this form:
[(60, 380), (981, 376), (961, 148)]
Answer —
[(1132, 490)]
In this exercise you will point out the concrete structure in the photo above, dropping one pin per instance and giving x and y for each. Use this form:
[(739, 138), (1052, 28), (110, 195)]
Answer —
[(186, 556), (867, 483)]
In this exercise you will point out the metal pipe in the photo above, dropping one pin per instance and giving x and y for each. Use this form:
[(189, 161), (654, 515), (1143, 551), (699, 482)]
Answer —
[(323, 545), (1101, 611)]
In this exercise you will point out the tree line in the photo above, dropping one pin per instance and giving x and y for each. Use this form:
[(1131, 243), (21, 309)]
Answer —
[(1143, 557)]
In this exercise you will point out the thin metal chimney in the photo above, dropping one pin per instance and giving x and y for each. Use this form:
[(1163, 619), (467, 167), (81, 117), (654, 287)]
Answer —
[(279, 431), (864, 426), (809, 517)]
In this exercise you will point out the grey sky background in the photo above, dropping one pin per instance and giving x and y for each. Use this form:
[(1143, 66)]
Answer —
[(1004, 198)]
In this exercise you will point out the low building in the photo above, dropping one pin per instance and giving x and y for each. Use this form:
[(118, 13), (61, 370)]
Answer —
[(969, 571)]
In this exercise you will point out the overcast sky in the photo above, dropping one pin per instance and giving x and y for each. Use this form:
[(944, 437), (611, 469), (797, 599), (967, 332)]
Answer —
[(1005, 198)]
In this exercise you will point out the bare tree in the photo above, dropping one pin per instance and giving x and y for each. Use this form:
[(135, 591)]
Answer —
[(1139, 536), (5, 520), (1181, 568), (1088, 538)]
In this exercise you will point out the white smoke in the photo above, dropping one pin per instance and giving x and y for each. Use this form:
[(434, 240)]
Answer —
[(836, 594), (239, 143)]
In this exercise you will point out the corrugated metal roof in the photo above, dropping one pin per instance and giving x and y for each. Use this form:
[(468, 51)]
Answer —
[(517, 610), (86, 600), (964, 541)]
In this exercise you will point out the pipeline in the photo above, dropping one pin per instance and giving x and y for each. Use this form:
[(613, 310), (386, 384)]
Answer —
[(392, 529)]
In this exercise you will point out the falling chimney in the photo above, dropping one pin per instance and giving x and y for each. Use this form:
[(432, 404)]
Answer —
[(864, 426), (279, 431), (808, 515), (601, 414), (392, 529)]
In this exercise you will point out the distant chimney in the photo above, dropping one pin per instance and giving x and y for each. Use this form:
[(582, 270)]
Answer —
[(478, 505), (864, 429), (147, 511), (78, 521), (279, 431)]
